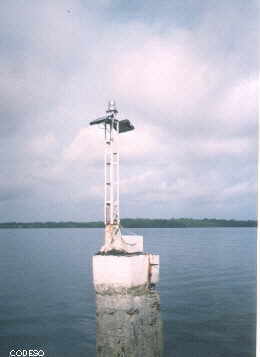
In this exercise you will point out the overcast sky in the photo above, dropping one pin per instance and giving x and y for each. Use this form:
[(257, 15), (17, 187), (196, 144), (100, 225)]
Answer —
[(184, 72)]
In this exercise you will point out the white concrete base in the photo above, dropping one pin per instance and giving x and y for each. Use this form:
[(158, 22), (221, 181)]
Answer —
[(123, 273), (154, 261), (134, 243), (114, 240)]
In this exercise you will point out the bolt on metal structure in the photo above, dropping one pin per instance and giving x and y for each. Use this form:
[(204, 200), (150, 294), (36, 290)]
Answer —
[(113, 127)]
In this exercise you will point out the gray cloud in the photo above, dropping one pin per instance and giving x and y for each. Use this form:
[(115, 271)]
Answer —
[(184, 73)]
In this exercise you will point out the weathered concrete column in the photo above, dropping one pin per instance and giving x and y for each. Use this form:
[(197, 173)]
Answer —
[(129, 325), (128, 309)]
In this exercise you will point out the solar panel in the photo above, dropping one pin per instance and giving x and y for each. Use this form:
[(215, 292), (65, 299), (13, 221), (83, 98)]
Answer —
[(100, 120), (124, 125)]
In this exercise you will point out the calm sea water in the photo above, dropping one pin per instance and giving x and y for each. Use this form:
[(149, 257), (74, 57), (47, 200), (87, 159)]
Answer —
[(207, 289)]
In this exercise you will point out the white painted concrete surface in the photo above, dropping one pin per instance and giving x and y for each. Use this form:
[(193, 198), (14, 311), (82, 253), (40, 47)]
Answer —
[(154, 259), (112, 272), (134, 243), (154, 262)]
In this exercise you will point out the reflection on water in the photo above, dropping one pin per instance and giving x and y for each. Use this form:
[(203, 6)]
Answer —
[(128, 325)]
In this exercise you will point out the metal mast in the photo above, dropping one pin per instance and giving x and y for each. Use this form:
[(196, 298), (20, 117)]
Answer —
[(113, 127), (111, 205)]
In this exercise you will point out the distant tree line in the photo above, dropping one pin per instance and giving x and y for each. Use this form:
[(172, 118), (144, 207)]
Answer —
[(139, 223), (52, 225), (184, 223)]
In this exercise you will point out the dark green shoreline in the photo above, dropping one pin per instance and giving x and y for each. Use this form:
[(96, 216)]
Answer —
[(139, 223)]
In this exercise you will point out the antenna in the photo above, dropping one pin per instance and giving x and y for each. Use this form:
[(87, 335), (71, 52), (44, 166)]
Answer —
[(113, 127)]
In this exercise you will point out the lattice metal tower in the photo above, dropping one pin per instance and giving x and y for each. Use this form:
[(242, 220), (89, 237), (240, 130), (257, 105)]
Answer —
[(113, 127)]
